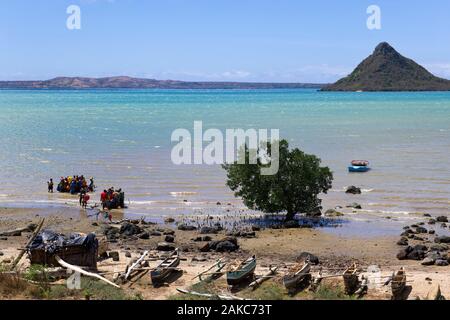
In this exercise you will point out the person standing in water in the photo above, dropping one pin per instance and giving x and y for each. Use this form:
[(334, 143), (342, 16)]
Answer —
[(50, 185)]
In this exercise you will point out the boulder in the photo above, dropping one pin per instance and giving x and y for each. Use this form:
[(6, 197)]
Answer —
[(291, 224), (256, 228), (333, 213), (208, 230), (155, 233), (353, 190), (114, 255), (354, 205), (1, 254), (169, 238), (439, 247), (421, 230), (432, 221), (200, 239), (403, 253), (130, 229), (111, 233), (227, 244), (427, 215), (441, 263), (128, 254), (420, 247), (144, 235), (442, 219), (165, 246), (304, 256), (169, 220), (442, 239), (402, 242), (431, 232), (185, 227), (169, 232)]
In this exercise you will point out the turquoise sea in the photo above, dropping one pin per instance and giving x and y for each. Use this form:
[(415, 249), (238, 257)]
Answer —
[(123, 139)]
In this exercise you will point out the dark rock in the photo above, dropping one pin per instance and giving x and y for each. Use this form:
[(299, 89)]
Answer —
[(403, 253), (442, 219), (439, 247), (3, 238), (304, 256), (94, 224), (427, 215), (256, 228), (165, 246), (355, 206), (431, 232), (442, 239), (421, 230), (169, 220), (184, 227), (416, 255), (128, 254), (169, 238), (1, 254), (114, 255), (226, 246), (130, 229), (155, 234), (314, 213), (333, 213), (418, 238), (204, 238), (353, 190), (444, 225), (169, 232), (402, 242), (432, 221), (144, 235), (111, 233), (420, 247), (291, 224), (441, 263), (208, 230)]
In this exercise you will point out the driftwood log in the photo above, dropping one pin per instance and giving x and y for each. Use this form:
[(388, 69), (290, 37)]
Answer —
[(255, 284), (208, 295), (86, 273), (22, 251)]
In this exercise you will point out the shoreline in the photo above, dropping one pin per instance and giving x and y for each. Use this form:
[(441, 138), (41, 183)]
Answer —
[(271, 246)]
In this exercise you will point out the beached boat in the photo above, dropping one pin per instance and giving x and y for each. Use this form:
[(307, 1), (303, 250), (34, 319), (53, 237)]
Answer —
[(398, 283), (165, 268), (243, 271), (359, 166), (296, 275), (351, 279)]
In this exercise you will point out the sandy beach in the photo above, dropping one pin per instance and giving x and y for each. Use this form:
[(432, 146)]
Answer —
[(271, 247)]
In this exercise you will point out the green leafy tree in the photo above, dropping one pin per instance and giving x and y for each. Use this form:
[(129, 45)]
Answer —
[(293, 189)]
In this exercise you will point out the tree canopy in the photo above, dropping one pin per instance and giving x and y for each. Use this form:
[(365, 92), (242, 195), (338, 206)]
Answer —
[(293, 189)]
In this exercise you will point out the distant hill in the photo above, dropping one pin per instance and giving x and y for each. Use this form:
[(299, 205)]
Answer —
[(388, 70), (137, 83)]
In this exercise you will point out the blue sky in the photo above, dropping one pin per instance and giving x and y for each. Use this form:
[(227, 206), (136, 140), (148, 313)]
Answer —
[(229, 40)]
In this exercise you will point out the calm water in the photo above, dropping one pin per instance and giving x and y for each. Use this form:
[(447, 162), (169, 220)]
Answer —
[(122, 138)]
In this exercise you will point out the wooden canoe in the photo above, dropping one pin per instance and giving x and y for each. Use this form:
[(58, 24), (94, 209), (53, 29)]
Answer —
[(165, 268), (296, 276), (243, 271)]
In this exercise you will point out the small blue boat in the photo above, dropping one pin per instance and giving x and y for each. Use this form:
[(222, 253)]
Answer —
[(359, 166)]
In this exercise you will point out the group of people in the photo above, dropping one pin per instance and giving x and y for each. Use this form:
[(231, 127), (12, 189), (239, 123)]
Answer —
[(73, 185), (112, 199)]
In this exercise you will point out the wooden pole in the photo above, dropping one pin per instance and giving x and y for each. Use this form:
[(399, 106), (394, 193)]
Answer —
[(22, 252), (255, 284)]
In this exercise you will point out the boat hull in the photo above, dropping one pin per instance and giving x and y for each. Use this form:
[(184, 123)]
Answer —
[(236, 277), (358, 169)]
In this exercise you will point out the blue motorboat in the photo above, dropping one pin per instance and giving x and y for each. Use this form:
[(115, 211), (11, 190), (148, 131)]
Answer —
[(359, 166)]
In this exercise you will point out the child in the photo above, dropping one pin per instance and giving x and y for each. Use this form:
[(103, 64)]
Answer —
[(50, 186), (85, 200)]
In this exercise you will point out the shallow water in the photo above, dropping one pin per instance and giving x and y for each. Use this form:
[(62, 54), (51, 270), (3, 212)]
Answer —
[(122, 138)]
